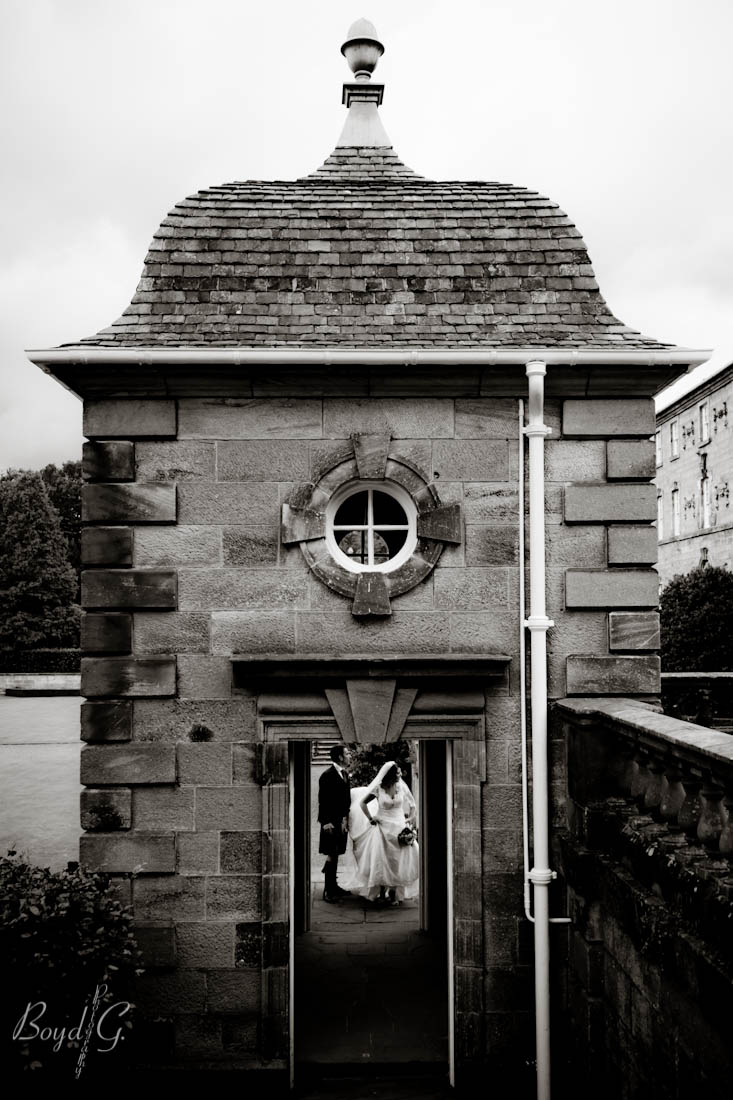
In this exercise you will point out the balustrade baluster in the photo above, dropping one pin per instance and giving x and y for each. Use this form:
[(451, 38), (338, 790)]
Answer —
[(726, 836), (653, 792), (710, 823), (673, 794), (641, 777), (627, 768), (689, 812)]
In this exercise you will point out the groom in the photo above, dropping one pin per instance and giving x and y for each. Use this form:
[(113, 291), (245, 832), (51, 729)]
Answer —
[(334, 801)]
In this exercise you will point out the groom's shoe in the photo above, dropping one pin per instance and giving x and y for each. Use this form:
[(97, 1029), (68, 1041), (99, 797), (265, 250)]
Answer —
[(331, 898)]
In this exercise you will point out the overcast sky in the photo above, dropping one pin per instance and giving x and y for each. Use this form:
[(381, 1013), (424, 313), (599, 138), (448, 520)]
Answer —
[(113, 110)]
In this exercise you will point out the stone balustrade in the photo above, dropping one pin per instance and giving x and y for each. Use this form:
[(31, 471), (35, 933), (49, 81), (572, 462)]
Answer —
[(678, 773), (647, 866)]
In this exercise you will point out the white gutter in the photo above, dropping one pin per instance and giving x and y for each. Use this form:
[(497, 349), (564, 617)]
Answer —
[(82, 355), (538, 623)]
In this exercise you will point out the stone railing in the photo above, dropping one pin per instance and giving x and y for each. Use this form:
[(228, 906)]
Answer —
[(678, 773), (648, 865)]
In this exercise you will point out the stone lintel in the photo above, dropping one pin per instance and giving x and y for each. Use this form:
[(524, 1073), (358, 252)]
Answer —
[(454, 669)]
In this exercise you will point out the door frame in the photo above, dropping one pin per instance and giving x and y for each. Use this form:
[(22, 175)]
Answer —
[(465, 769)]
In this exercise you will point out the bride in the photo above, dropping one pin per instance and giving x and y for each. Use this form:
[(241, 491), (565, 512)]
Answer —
[(379, 813)]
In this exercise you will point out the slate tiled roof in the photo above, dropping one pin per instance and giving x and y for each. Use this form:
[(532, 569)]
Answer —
[(365, 253)]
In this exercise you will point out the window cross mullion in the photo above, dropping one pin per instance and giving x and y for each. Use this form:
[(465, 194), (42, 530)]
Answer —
[(370, 527)]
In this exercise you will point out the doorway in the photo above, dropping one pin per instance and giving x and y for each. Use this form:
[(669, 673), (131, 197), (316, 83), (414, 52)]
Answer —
[(370, 980)]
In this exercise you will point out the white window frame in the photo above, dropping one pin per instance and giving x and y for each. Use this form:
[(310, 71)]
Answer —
[(658, 445), (674, 438), (703, 415), (660, 517), (675, 512), (407, 504)]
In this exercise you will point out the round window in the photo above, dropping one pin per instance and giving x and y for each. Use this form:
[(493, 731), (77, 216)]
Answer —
[(371, 526)]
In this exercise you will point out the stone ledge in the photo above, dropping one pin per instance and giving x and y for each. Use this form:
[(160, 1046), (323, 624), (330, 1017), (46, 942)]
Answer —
[(639, 718)]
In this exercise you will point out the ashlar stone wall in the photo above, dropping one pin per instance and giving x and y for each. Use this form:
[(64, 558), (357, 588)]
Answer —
[(184, 568)]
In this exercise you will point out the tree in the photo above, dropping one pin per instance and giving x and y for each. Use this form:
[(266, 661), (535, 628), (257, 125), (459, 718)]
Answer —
[(64, 490), (368, 759), (696, 611), (37, 583)]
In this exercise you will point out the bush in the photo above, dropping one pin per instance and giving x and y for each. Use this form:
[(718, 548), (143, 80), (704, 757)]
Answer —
[(63, 935), (696, 612), (368, 759), (40, 660)]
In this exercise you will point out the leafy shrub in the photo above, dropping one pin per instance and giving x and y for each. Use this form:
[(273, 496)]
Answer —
[(62, 935), (368, 759), (40, 660), (696, 612)]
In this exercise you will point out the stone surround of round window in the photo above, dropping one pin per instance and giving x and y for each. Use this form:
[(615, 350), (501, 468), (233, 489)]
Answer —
[(371, 526)]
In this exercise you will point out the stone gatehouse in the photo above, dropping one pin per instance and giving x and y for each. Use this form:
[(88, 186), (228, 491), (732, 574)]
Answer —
[(353, 343)]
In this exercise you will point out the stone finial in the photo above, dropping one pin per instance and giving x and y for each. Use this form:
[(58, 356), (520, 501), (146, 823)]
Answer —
[(362, 49)]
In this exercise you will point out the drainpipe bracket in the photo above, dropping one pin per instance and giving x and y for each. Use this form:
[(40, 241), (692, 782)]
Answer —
[(541, 877), (536, 429), (538, 622)]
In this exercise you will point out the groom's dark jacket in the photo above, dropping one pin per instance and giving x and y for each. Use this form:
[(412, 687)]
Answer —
[(334, 801)]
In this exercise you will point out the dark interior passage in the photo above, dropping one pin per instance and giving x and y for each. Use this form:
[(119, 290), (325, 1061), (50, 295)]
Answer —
[(371, 982), (370, 987)]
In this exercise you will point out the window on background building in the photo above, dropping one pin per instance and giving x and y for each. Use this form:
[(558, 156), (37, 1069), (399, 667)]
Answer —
[(675, 511), (705, 509), (674, 439), (704, 419), (660, 516), (658, 445)]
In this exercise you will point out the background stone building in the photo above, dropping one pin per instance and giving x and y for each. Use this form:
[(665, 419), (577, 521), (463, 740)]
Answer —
[(694, 458), (357, 335)]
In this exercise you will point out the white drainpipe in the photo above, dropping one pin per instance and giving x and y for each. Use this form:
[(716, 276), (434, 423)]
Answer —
[(523, 624), (538, 623)]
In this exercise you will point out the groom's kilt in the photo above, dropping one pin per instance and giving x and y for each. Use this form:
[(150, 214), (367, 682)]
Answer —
[(332, 843)]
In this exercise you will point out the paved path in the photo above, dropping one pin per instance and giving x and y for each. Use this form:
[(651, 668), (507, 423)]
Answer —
[(370, 987)]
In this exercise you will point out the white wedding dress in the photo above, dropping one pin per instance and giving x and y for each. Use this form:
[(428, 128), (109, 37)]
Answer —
[(380, 859)]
